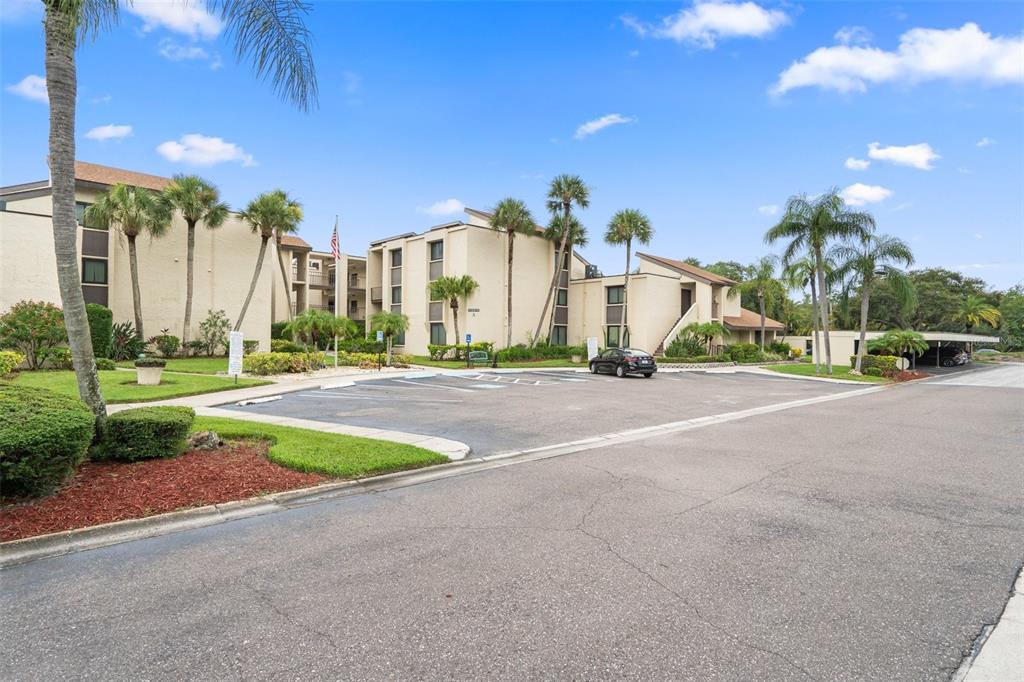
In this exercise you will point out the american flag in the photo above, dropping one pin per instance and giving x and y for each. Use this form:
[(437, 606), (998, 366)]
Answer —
[(334, 242)]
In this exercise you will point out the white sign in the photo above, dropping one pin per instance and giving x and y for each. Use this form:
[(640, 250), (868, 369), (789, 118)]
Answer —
[(380, 336), (591, 347), (235, 346)]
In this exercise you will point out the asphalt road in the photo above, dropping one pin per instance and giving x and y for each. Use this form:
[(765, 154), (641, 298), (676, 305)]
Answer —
[(869, 538)]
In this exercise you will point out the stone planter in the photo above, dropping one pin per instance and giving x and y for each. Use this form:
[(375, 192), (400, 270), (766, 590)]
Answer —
[(577, 358), (148, 376)]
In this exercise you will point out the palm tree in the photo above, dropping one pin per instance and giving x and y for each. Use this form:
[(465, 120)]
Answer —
[(267, 214), (272, 35), (133, 211), (625, 226), (860, 265), (797, 275), (706, 332), (564, 192), (759, 280), (198, 201), (902, 341), (313, 326), (512, 216), (974, 310), (809, 225), (391, 324), (451, 289), (577, 237)]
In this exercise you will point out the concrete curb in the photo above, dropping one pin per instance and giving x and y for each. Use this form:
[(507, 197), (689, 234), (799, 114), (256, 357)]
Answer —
[(998, 654)]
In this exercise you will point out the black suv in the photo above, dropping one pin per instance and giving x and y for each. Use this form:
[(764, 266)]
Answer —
[(623, 361)]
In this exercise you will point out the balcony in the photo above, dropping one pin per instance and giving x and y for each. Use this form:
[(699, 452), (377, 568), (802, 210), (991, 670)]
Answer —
[(315, 306), (319, 279), (354, 282)]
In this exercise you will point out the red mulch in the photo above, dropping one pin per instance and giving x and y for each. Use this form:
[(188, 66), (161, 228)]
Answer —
[(101, 492)]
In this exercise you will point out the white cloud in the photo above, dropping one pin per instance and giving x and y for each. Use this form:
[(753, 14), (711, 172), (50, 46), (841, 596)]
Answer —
[(964, 170), (352, 82), (856, 164), (914, 155), (443, 208), (591, 127), (102, 99), (853, 35), (633, 54), (770, 209), (30, 87), (201, 150), (109, 132), (979, 235), (859, 194), (960, 54), (985, 142), (177, 52), (190, 19), (708, 21)]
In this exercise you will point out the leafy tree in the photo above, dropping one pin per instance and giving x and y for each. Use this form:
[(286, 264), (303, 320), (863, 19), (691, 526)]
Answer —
[(214, 331), (809, 225), (1011, 314), (33, 328), (940, 293), (452, 289), (564, 192), (726, 268), (974, 310), (269, 33), (270, 214), (707, 332), (901, 342), (133, 211), (199, 202), (626, 226), (391, 324), (512, 216), (759, 280), (860, 265)]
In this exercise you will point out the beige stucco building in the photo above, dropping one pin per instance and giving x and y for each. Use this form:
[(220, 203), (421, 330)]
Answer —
[(313, 285)]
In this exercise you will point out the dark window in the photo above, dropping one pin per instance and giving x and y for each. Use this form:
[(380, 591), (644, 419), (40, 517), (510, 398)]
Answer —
[(558, 336), (3, 204), (353, 305), (563, 297), (437, 334), (94, 271), (94, 243), (396, 295), (95, 294), (614, 294), (396, 258), (611, 337), (436, 250)]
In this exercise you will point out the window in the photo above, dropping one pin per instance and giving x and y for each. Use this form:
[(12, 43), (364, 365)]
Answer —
[(615, 294), (314, 265), (80, 207), (396, 295), (558, 335), (94, 271), (611, 337), (436, 250), (353, 305), (563, 297), (437, 334), (396, 258)]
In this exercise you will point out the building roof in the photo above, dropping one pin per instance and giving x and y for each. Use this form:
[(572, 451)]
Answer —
[(293, 242), (107, 175), (748, 319), (488, 216), (687, 269)]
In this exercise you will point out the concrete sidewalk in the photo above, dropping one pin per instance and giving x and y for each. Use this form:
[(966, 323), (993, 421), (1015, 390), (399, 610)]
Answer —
[(1002, 654)]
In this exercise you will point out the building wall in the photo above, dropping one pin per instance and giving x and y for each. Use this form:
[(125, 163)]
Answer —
[(28, 269)]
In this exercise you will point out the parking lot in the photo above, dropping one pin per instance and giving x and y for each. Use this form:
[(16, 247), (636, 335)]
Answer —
[(498, 412)]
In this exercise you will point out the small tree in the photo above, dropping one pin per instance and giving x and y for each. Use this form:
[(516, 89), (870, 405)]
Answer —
[(451, 289), (313, 327), (706, 332), (33, 327), (901, 342), (214, 331), (759, 280), (390, 324)]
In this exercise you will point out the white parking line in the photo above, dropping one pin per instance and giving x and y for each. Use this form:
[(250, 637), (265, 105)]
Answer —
[(424, 384), (374, 398), (487, 386)]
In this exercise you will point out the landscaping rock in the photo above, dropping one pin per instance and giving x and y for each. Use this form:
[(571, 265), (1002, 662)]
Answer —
[(204, 440)]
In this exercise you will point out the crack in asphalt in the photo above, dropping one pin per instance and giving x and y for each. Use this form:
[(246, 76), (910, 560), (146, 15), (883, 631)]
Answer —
[(269, 602)]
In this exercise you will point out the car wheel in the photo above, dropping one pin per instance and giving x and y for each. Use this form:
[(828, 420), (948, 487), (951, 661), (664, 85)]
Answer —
[(948, 363), (620, 371), (593, 368), (648, 375)]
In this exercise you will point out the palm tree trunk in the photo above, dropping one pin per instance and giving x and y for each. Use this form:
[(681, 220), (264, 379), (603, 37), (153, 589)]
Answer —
[(816, 347), (558, 272), (284, 280), (189, 270), (625, 298), (455, 319), (760, 300), (62, 86), (389, 351), (819, 264), (862, 346), (508, 314), (252, 285), (133, 262)]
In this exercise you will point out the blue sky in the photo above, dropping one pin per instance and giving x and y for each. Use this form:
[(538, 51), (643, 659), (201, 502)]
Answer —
[(705, 116)]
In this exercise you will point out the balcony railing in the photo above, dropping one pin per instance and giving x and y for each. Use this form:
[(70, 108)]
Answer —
[(318, 279), (315, 306)]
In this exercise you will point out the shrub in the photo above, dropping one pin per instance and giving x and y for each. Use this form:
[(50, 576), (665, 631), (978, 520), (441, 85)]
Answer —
[(59, 358), (101, 327), (685, 345), (214, 331), (285, 346), (150, 362), (780, 347), (105, 363), (370, 359), (796, 352), (277, 331), (452, 351), (873, 371), (145, 433), (125, 342), (743, 352), (361, 346), (886, 363), (32, 327), (283, 363), (10, 360), (695, 359), (166, 344), (43, 437), (250, 346), (195, 347)]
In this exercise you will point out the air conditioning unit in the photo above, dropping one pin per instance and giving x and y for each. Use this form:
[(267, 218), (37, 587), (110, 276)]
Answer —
[(592, 272)]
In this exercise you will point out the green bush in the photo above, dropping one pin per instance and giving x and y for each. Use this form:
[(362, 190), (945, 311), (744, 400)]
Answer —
[(214, 331), (125, 342), (194, 347), (150, 362), (101, 328), (872, 371), (696, 359), (780, 347), (361, 346), (32, 328), (145, 433), (357, 359), (166, 344), (285, 346), (10, 360), (685, 345), (43, 437), (283, 363), (743, 352), (885, 363), (277, 331), (58, 358), (250, 346), (452, 351), (105, 363)]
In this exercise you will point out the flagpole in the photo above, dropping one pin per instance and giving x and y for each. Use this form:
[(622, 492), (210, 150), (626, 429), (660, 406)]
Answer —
[(337, 285)]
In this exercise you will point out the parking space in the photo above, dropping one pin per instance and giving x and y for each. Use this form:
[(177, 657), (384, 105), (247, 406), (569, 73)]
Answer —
[(495, 412)]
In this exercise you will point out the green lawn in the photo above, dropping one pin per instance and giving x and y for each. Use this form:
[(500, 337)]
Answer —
[(190, 365), (332, 454), (838, 372), (120, 387), (461, 364)]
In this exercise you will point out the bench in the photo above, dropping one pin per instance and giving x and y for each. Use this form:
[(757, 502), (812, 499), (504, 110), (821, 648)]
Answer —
[(476, 356)]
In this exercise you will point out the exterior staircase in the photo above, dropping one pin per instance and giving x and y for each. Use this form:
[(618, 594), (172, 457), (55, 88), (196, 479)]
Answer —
[(686, 318)]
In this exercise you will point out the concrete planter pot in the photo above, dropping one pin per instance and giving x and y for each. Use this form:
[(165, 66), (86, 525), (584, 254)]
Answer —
[(577, 358), (148, 376)]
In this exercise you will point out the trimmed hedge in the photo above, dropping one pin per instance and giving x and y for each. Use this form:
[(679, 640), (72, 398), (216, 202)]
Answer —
[(885, 363), (105, 364), (101, 328), (361, 346), (277, 331), (146, 433), (150, 362), (743, 352), (872, 372), (697, 359), (285, 346), (541, 351), (452, 351), (282, 363), (43, 437)]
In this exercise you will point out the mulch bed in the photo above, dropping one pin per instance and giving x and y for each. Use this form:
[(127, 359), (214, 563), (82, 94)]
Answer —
[(102, 492)]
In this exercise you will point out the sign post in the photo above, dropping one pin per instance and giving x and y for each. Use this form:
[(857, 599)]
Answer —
[(235, 346), (380, 338), (469, 340)]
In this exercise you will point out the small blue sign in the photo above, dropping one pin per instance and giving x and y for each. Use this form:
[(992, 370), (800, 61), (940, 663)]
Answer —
[(380, 336), (469, 339)]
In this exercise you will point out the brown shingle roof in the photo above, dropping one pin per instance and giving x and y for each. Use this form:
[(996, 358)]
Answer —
[(295, 242), (688, 269), (106, 175), (748, 319)]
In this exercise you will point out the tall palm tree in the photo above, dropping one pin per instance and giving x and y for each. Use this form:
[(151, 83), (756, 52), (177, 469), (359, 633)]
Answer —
[(564, 192), (974, 310), (272, 35), (809, 225), (577, 236), (391, 324), (797, 275), (870, 259), (512, 216), (198, 201), (452, 289), (267, 214), (132, 211), (626, 226), (759, 280)]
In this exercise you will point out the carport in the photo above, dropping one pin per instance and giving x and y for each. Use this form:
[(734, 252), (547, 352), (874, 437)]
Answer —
[(845, 343), (953, 340)]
